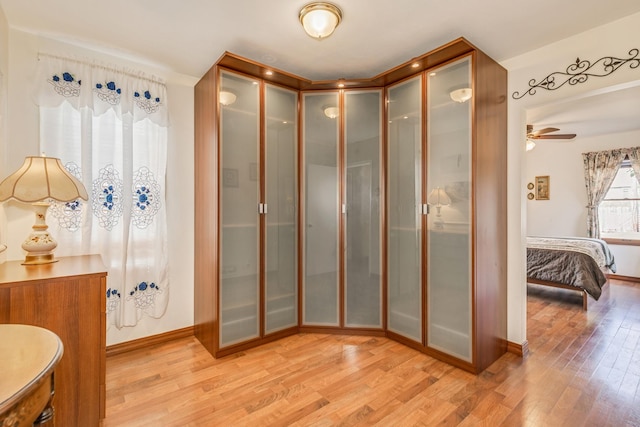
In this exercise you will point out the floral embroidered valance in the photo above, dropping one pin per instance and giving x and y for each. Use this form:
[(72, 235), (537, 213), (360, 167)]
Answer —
[(100, 88)]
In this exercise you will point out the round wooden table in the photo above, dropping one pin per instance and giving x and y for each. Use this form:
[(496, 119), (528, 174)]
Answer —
[(28, 356)]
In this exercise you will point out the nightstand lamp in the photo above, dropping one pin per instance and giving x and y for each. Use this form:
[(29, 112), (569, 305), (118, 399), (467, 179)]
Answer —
[(438, 198), (39, 180)]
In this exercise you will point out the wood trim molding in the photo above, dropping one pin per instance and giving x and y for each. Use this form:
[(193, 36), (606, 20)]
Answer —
[(625, 278), (521, 350), (127, 346), (623, 242)]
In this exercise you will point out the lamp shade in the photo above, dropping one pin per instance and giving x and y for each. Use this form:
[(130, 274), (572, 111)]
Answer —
[(42, 178), (438, 197), (320, 19)]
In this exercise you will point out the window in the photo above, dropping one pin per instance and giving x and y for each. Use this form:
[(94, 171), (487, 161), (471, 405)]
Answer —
[(620, 210)]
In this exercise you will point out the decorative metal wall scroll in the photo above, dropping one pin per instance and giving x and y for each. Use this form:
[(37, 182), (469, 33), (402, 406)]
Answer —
[(580, 71)]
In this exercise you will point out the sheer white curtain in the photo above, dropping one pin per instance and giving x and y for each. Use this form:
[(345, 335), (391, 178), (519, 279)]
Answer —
[(109, 128)]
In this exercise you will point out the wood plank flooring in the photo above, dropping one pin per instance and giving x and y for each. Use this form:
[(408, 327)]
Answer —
[(583, 370)]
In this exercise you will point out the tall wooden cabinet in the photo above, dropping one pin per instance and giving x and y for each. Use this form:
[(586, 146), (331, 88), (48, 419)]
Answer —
[(251, 289), (400, 228), (446, 217), (341, 233), (68, 298)]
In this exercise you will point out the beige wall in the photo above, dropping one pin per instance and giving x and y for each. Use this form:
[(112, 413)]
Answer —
[(4, 61)]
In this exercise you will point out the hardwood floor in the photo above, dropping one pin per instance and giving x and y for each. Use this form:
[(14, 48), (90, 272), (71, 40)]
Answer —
[(583, 370)]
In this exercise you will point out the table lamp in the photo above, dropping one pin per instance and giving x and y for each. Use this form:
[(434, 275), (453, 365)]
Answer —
[(39, 180), (438, 198)]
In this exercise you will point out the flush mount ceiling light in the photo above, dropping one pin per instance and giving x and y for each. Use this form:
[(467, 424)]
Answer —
[(227, 98), (461, 95), (331, 112), (319, 19)]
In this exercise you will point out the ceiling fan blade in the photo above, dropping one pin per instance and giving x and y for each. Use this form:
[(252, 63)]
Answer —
[(545, 130), (557, 136)]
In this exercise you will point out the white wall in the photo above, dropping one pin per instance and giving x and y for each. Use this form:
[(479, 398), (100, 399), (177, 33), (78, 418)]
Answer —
[(565, 213), (614, 39), (22, 124)]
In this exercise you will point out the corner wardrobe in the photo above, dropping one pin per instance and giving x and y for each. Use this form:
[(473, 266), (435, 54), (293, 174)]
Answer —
[(375, 206)]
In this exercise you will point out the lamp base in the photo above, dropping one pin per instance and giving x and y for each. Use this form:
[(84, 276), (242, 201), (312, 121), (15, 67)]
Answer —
[(39, 259), (39, 244)]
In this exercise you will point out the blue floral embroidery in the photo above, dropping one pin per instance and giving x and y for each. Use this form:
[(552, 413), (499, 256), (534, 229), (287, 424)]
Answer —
[(69, 214), (146, 198), (107, 197), (108, 200), (108, 92), (66, 86), (113, 299), (144, 294), (146, 102)]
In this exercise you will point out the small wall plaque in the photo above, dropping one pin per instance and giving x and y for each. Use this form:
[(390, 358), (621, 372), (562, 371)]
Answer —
[(542, 187)]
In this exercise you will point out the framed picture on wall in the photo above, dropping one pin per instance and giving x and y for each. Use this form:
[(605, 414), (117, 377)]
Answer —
[(542, 187)]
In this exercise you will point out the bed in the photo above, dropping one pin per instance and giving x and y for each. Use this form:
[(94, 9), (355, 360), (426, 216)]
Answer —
[(575, 263)]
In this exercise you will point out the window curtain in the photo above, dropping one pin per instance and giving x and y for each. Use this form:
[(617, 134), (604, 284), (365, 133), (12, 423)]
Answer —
[(109, 128), (600, 168)]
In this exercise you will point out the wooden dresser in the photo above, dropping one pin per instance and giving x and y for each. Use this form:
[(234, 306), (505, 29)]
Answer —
[(67, 297)]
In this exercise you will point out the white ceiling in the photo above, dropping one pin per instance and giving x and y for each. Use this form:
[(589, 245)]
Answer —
[(188, 36)]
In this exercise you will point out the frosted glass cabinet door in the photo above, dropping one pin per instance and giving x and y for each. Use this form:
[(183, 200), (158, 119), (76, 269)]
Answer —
[(448, 187), (321, 212), (239, 144), (404, 253), (280, 198), (363, 299)]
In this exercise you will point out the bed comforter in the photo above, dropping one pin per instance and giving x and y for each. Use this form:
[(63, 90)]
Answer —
[(574, 261)]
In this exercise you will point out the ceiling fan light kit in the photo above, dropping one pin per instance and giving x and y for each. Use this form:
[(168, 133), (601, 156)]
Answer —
[(320, 19)]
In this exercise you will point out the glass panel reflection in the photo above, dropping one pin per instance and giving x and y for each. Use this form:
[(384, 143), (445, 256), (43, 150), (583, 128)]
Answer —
[(362, 234), (280, 173), (321, 177), (404, 220), (449, 185), (239, 137)]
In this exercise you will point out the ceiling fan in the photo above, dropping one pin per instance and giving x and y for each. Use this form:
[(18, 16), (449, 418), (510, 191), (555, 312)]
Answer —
[(544, 134)]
